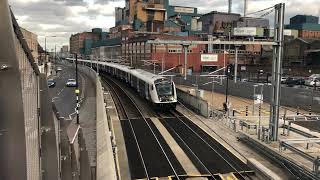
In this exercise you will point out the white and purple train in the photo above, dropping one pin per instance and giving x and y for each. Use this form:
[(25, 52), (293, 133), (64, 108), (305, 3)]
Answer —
[(157, 89)]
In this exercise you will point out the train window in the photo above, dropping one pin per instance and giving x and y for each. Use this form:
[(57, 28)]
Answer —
[(164, 88)]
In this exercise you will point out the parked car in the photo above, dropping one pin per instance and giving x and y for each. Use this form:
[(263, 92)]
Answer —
[(283, 79), (291, 81), (59, 68), (51, 83), (313, 80), (71, 83)]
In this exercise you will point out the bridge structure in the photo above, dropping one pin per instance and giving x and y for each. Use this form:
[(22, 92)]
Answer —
[(28, 120)]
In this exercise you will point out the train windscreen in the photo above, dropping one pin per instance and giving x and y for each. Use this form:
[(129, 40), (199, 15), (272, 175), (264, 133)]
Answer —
[(164, 88)]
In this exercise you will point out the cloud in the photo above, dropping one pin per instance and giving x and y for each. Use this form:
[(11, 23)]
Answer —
[(65, 17), (62, 18)]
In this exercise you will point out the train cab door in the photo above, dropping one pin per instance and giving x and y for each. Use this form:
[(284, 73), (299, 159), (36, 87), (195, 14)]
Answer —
[(138, 87), (146, 87)]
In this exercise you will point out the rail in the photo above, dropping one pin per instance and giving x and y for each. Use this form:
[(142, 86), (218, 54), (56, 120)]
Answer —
[(223, 155), (133, 131)]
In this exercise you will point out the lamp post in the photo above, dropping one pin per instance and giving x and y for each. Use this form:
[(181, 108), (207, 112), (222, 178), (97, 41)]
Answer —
[(227, 88), (77, 91), (254, 97), (45, 55), (260, 104)]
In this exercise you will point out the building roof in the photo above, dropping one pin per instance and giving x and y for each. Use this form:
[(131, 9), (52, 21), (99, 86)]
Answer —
[(222, 13)]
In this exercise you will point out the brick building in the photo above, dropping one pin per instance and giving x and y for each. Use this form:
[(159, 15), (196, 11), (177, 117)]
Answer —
[(81, 43), (32, 41), (133, 47)]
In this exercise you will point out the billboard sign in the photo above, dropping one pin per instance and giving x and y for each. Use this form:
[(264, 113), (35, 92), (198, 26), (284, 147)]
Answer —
[(245, 31), (183, 9), (209, 58)]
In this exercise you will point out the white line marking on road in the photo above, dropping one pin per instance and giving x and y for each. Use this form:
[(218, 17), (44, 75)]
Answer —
[(54, 99), (60, 91), (70, 116)]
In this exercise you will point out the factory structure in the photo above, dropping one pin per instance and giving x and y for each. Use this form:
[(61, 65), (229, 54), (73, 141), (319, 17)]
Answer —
[(141, 21)]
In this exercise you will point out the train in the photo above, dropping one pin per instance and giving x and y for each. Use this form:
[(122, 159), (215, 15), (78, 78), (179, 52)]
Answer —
[(156, 89)]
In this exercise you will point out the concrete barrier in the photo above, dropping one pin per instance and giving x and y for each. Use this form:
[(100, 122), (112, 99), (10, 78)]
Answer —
[(105, 160), (199, 105)]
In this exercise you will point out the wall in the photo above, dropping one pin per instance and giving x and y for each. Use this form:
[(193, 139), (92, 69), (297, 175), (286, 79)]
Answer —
[(32, 41), (217, 22), (199, 105), (105, 160)]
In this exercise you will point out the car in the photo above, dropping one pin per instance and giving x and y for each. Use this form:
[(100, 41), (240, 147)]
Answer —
[(51, 83), (313, 80), (291, 81), (59, 68), (283, 79), (71, 83)]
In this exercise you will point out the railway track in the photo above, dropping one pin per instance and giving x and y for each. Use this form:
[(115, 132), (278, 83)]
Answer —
[(212, 158), (150, 156)]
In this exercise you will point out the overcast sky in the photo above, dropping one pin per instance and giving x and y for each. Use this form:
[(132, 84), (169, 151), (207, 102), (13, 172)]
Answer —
[(61, 18)]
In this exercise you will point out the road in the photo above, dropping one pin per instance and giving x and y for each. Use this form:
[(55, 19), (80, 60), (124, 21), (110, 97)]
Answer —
[(64, 97)]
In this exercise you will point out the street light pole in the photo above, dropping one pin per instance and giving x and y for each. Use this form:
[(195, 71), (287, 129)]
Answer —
[(77, 91), (254, 98), (45, 56), (227, 85)]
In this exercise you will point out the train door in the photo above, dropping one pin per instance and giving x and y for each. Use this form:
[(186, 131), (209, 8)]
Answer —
[(131, 80), (138, 85), (146, 85)]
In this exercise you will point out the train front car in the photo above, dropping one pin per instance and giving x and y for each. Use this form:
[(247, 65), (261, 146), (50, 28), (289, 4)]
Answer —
[(166, 95)]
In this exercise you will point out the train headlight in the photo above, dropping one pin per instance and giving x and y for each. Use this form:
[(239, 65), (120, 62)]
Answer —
[(171, 98)]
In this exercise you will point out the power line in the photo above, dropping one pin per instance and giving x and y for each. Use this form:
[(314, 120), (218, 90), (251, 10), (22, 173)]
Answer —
[(261, 10)]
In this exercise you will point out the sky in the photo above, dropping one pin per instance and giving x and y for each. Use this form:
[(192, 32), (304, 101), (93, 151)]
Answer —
[(61, 18)]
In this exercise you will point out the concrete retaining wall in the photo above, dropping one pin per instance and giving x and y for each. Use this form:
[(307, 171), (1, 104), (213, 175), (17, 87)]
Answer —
[(292, 97), (197, 104), (105, 161)]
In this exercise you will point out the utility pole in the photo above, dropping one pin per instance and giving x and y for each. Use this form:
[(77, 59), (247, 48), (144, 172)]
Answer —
[(185, 49), (227, 84), (236, 65), (276, 70), (45, 57)]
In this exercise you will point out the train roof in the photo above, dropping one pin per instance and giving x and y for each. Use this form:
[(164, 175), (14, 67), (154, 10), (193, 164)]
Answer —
[(139, 73)]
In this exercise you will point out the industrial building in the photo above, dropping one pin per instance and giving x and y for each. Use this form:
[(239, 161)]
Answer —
[(217, 23), (252, 22), (185, 18), (301, 52), (308, 26)]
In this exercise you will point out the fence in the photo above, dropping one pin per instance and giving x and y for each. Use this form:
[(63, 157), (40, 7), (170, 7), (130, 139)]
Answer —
[(303, 98)]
